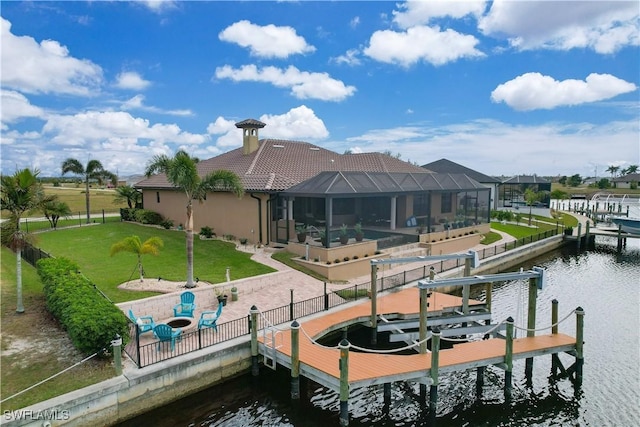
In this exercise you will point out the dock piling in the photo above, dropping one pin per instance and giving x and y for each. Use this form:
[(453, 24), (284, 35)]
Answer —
[(508, 360), (554, 330), (435, 360), (579, 344), (344, 383), (295, 360), (531, 322), (255, 369)]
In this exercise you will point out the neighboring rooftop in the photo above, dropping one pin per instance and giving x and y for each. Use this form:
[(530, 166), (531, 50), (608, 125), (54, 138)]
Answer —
[(447, 166), (526, 179)]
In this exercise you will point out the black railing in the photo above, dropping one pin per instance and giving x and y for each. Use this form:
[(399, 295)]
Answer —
[(32, 255), (153, 353)]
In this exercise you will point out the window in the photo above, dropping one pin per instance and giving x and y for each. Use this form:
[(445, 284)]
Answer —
[(157, 197)]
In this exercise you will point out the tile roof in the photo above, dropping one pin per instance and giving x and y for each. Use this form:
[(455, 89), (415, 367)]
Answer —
[(280, 164)]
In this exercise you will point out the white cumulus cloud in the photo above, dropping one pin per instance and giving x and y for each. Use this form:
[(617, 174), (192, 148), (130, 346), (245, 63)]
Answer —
[(299, 123), (421, 43), (15, 106), (603, 26), (303, 84), (131, 80), (137, 103), (419, 12), (266, 41), (532, 91), (45, 67)]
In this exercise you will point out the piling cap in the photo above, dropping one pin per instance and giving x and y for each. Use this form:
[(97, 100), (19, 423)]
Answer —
[(510, 319), (295, 324), (344, 344)]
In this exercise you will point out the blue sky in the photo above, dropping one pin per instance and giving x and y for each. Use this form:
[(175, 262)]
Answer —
[(502, 87)]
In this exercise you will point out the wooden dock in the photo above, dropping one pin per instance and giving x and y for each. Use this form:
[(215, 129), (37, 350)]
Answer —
[(321, 364)]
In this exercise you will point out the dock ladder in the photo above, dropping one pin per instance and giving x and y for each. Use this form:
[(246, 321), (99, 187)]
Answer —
[(270, 335)]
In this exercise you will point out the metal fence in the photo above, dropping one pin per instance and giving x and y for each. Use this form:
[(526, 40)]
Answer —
[(32, 255)]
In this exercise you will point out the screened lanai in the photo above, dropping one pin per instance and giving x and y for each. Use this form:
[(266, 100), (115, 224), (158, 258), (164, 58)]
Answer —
[(403, 202)]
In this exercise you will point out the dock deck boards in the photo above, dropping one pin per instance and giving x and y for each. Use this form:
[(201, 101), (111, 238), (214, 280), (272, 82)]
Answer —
[(322, 363)]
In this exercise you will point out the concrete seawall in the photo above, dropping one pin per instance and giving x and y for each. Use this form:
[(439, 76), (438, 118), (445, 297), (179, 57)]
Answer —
[(140, 390)]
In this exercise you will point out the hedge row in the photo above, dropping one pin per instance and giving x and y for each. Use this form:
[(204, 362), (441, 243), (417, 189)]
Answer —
[(143, 216), (90, 320)]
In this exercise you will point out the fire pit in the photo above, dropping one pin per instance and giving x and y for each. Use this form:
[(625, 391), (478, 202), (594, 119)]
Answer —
[(180, 323)]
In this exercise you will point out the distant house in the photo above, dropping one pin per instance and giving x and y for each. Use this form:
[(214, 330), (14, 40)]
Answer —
[(628, 181), (293, 183), (447, 166), (512, 190)]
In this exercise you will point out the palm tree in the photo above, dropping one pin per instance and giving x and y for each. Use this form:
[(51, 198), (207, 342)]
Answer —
[(93, 170), (20, 192), (127, 193), (182, 173), (631, 169), (531, 196), (613, 170), (54, 209), (134, 245)]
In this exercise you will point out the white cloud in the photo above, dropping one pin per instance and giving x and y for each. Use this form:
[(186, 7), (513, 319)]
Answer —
[(350, 57), (355, 21), (230, 135), (421, 44), (98, 127), (137, 103), (159, 6), (532, 91), (496, 148), (131, 80), (45, 67), (304, 85), (604, 26), (299, 123), (419, 12), (15, 106), (266, 41)]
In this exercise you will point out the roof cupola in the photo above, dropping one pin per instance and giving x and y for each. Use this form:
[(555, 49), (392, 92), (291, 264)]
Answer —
[(250, 134)]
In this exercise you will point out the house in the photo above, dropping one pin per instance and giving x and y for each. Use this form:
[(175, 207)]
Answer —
[(447, 166), (295, 183), (627, 181), (512, 190)]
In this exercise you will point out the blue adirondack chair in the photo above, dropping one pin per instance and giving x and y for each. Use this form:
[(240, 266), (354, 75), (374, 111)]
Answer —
[(208, 319), (145, 323), (166, 333), (187, 305)]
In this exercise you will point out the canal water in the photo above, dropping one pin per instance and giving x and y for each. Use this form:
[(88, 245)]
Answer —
[(605, 284)]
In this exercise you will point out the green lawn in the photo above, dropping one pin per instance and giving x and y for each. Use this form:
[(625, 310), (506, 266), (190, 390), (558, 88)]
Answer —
[(89, 246)]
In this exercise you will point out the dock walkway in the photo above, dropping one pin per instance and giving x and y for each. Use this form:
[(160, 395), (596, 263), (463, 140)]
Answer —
[(321, 363)]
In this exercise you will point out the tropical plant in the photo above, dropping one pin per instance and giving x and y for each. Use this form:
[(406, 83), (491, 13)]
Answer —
[(20, 193), (181, 172), (128, 194), (134, 245), (54, 209), (358, 228), (93, 170), (613, 170), (344, 230), (531, 196)]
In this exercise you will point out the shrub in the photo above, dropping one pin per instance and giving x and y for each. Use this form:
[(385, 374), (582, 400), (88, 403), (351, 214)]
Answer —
[(336, 261), (345, 259), (355, 257), (167, 224), (316, 259), (328, 262), (243, 240), (128, 214), (90, 319), (207, 232), (146, 216), (378, 252)]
